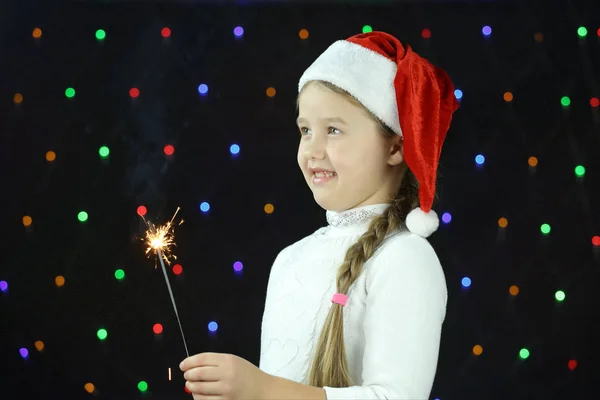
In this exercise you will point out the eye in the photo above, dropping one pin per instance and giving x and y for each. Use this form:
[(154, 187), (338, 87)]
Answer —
[(303, 131), (334, 131)]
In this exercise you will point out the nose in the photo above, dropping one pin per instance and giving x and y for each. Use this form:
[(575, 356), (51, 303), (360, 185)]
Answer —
[(315, 149)]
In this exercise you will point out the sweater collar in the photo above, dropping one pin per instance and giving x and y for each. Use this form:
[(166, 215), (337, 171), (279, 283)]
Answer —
[(358, 217)]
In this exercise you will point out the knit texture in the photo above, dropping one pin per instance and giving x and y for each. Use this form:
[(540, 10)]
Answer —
[(392, 321)]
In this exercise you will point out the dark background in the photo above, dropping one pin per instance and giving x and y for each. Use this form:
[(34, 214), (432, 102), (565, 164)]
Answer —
[(169, 110)]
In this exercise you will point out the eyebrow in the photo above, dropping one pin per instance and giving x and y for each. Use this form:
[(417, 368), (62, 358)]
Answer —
[(329, 119)]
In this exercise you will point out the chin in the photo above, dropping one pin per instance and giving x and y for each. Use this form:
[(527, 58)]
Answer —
[(329, 204)]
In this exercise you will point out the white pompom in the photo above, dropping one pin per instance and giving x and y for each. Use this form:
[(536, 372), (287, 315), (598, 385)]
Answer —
[(421, 223)]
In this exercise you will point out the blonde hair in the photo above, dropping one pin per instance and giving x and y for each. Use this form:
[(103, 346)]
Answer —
[(330, 363)]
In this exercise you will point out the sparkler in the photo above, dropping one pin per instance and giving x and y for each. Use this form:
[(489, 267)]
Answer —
[(160, 239)]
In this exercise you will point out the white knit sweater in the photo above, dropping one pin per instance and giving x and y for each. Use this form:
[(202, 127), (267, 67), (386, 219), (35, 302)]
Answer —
[(392, 321)]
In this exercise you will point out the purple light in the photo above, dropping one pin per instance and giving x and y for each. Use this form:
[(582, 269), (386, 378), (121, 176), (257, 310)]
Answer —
[(238, 266), (3, 286), (487, 31), (238, 31), (24, 352), (446, 218)]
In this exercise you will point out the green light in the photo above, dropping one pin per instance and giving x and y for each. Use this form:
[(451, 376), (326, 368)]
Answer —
[(102, 334), (524, 354), (70, 93), (565, 101), (559, 295), (82, 216), (119, 274), (545, 228), (582, 31), (100, 34), (104, 151), (367, 29), (142, 386), (580, 170)]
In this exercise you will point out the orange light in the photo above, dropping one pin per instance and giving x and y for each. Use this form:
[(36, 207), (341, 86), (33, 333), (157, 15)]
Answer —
[(27, 220), (269, 208), (271, 92), (89, 387), (502, 222), (538, 37), (37, 33), (39, 345), (532, 161), (18, 98), (513, 290), (477, 350), (508, 97), (50, 156), (60, 281), (303, 34)]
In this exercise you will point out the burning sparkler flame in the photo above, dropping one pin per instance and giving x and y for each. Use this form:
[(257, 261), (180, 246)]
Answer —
[(160, 239)]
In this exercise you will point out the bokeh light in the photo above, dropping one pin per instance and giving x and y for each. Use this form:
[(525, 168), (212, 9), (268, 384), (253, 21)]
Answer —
[(545, 228), (595, 102), (508, 97), (165, 32), (238, 32), (213, 326), (565, 101), (4, 286), (538, 37), (446, 217), (82, 216), (458, 94), (580, 171), (70, 92), (177, 269), (582, 31), (104, 151), (367, 29), (426, 33), (89, 387), (303, 34), (234, 149), (271, 92), (269, 208), (479, 159), (37, 33), (503, 222), (142, 211), (524, 354), (559, 296), (50, 156), (39, 345), (27, 221), (169, 150), (157, 329), (120, 274), (100, 34), (18, 98), (24, 352), (142, 386), (513, 290), (203, 89), (572, 364), (477, 350), (60, 281), (134, 93), (204, 206), (466, 282), (532, 161), (486, 30), (102, 334), (238, 266), (596, 241)]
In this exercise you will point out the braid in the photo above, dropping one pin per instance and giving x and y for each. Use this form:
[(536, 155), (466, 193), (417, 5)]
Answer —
[(330, 364)]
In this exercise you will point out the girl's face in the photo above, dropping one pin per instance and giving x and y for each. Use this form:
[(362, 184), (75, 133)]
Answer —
[(346, 161)]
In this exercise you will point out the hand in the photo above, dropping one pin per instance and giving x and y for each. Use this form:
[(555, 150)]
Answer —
[(217, 376)]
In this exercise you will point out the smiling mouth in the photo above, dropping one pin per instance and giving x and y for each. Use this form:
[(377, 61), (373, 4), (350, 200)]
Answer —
[(323, 177)]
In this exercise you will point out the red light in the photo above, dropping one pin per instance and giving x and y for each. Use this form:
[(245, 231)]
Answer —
[(426, 33), (596, 241), (166, 32), (134, 93), (177, 269), (598, 32), (141, 210), (157, 329), (169, 150), (187, 390), (595, 102), (572, 365)]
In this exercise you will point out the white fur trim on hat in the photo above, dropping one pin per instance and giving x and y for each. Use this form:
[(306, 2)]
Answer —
[(421, 223), (364, 74)]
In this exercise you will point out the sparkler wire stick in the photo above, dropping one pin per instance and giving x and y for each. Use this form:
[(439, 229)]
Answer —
[(160, 257)]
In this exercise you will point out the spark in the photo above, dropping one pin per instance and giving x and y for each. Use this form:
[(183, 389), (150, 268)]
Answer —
[(160, 239)]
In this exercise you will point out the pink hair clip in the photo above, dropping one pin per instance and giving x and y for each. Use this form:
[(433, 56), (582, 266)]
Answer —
[(339, 298)]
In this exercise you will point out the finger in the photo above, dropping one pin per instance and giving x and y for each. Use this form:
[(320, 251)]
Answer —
[(206, 374), (200, 360), (206, 397), (205, 388)]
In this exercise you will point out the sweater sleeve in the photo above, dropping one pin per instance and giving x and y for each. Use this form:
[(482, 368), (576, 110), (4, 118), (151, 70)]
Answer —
[(406, 306)]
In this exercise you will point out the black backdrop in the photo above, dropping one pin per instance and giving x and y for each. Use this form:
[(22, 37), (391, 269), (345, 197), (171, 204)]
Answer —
[(537, 70)]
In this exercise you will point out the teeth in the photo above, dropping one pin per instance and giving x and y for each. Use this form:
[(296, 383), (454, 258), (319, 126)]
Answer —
[(324, 174)]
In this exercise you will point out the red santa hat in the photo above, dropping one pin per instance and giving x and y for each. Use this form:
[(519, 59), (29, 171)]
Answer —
[(406, 92)]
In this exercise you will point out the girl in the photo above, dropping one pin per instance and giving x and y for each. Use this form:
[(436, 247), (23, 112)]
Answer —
[(355, 310)]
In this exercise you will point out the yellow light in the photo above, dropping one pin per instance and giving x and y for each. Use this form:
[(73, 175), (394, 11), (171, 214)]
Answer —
[(269, 208)]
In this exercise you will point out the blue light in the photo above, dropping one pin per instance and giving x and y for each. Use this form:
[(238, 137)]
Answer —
[(458, 94), (479, 159), (213, 326), (446, 218), (487, 30), (24, 352), (203, 89), (238, 31), (3, 286), (466, 282), (234, 149), (238, 266), (204, 206)]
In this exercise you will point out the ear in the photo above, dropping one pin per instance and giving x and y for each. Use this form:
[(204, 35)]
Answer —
[(396, 153)]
